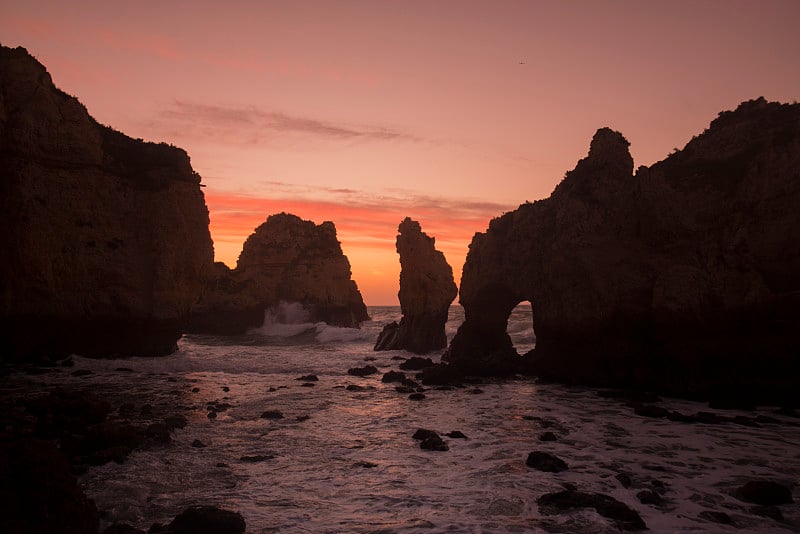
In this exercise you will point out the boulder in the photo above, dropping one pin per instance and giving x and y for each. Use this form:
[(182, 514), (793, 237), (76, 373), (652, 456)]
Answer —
[(681, 278), (426, 291), (105, 238), (285, 260)]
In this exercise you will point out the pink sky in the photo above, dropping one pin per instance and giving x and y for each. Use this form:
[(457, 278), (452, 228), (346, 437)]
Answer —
[(363, 113)]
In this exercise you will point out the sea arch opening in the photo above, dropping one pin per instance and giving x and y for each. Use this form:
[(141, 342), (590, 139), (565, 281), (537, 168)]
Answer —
[(520, 327)]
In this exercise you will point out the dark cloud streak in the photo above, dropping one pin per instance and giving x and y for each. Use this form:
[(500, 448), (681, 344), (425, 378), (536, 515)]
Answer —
[(254, 118)]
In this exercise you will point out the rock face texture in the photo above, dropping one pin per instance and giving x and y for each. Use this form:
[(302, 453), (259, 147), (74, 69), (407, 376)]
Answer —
[(426, 291), (288, 260), (105, 238), (683, 277)]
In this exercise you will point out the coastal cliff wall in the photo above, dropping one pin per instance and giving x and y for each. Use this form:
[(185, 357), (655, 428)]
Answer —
[(286, 259), (683, 277), (105, 238)]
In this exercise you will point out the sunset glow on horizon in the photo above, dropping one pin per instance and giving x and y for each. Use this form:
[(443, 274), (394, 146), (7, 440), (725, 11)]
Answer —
[(364, 113)]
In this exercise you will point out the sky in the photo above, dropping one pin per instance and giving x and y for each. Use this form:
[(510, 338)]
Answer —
[(366, 112)]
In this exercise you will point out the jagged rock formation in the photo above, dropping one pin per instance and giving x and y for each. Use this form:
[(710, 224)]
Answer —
[(683, 277), (286, 259), (105, 238), (426, 291)]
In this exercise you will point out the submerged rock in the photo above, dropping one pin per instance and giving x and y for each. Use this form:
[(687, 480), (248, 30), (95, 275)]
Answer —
[(207, 520), (105, 238), (764, 492), (544, 461), (623, 516), (363, 371), (426, 291), (286, 260), (434, 442), (682, 278)]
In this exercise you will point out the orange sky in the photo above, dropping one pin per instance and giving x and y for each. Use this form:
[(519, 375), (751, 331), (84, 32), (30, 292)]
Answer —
[(363, 113)]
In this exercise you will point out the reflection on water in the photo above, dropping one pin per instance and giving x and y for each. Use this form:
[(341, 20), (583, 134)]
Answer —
[(344, 461)]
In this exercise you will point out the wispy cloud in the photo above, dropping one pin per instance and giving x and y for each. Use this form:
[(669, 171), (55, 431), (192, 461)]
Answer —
[(253, 123)]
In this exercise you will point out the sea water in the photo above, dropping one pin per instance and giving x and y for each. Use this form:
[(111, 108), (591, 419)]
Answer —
[(345, 461)]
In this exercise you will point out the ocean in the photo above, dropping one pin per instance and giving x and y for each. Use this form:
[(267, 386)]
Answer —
[(344, 461)]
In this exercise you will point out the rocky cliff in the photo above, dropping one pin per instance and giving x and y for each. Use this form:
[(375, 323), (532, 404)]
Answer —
[(426, 291), (105, 238), (286, 259), (683, 277)]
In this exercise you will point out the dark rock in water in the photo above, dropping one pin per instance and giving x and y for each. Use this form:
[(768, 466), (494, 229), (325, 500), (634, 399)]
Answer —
[(426, 291), (285, 260), (423, 433), (105, 238), (648, 410), (212, 415), (389, 338), (122, 528), (704, 243), (764, 492), (226, 389), (195, 390), (207, 520), (355, 387), (544, 461), (308, 378), (442, 375), (773, 512), (272, 414), (197, 444), (257, 458), (175, 421), (475, 391), (717, 517), (417, 396), (624, 517), (405, 389), (624, 480), (307, 385), (547, 436), (649, 497), (363, 371), (158, 432), (38, 493), (366, 465), (434, 442), (416, 363), (393, 376), (456, 434), (301, 418)]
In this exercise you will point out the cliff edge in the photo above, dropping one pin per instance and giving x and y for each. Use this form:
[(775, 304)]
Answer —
[(105, 238), (683, 277)]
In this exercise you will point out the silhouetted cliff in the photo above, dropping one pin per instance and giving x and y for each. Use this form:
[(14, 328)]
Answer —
[(684, 276), (105, 238), (286, 259), (426, 291)]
